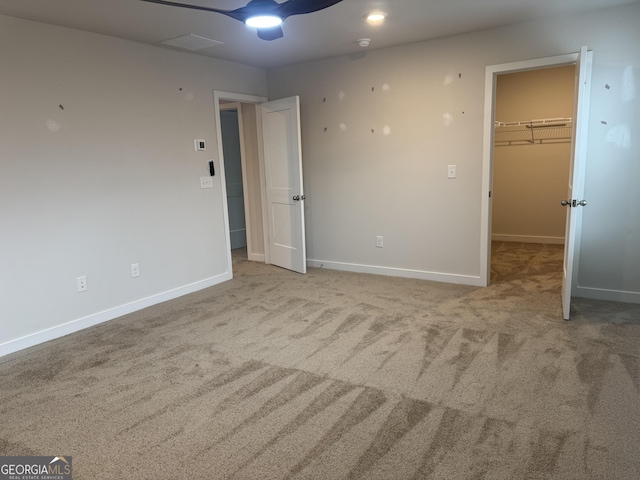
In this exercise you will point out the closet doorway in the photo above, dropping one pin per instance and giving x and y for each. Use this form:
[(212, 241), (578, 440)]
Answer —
[(240, 144), (232, 148), (573, 199), (531, 160), (273, 195)]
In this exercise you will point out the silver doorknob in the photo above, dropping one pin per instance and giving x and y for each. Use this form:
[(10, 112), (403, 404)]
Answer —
[(296, 198), (573, 203)]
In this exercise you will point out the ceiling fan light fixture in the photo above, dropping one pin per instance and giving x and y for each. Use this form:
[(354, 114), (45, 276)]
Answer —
[(264, 15), (263, 21)]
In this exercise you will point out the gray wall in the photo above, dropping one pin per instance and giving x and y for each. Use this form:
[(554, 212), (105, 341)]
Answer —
[(380, 128), (98, 170)]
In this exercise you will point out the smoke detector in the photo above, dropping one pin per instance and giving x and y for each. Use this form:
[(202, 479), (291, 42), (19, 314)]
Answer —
[(364, 42)]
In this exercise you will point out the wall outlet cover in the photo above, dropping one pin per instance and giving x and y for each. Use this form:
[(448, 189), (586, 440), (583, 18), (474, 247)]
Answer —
[(206, 182)]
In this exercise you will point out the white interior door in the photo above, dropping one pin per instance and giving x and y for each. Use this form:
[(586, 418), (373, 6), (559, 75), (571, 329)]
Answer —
[(575, 190), (284, 189)]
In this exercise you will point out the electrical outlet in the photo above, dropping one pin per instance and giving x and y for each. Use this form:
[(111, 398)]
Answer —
[(200, 145), (206, 182), (451, 171), (135, 270), (379, 241), (82, 284)]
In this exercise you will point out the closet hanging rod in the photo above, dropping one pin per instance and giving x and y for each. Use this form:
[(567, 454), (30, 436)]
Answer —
[(543, 122), (549, 125)]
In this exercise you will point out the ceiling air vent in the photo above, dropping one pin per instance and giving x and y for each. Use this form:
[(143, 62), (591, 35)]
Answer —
[(191, 42)]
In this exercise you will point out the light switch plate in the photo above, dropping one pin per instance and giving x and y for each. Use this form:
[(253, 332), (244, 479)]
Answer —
[(451, 171), (200, 145)]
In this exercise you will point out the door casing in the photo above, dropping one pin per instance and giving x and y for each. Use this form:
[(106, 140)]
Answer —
[(240, 98)]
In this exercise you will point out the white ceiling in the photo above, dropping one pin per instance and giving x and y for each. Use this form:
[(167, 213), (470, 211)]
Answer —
[(326, 33)]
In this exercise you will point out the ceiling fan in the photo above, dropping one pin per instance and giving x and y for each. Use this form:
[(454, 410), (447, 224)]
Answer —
[(265, 15)]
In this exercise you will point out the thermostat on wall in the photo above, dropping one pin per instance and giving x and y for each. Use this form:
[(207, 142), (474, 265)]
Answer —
[(200, 145)]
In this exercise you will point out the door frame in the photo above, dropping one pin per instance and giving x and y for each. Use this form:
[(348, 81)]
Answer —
[(491, 73), (240, 98)]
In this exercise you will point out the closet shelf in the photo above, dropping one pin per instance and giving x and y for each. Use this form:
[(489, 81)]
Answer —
[(546, 130)]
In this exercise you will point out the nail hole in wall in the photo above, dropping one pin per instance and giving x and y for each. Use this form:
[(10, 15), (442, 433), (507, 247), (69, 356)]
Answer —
[(52, 125)]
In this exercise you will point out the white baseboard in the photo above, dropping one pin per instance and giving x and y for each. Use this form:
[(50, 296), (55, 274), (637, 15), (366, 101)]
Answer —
[(527, 239), (256, 257), (398, 272), (604, 294), (106, 315)]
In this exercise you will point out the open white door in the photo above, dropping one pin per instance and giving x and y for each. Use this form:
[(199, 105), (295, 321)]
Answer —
[(283, 176), (575, 190)]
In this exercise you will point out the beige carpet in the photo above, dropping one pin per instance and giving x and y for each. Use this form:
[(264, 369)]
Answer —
[(335, 375)]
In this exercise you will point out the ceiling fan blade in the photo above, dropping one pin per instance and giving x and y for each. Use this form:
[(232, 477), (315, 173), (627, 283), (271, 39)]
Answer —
[(255, 7), (270, 33), (237, 14), (300, 7)]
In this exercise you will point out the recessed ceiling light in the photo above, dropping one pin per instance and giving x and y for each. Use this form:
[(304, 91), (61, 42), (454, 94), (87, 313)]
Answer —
[(376, 18), (264, 21)]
